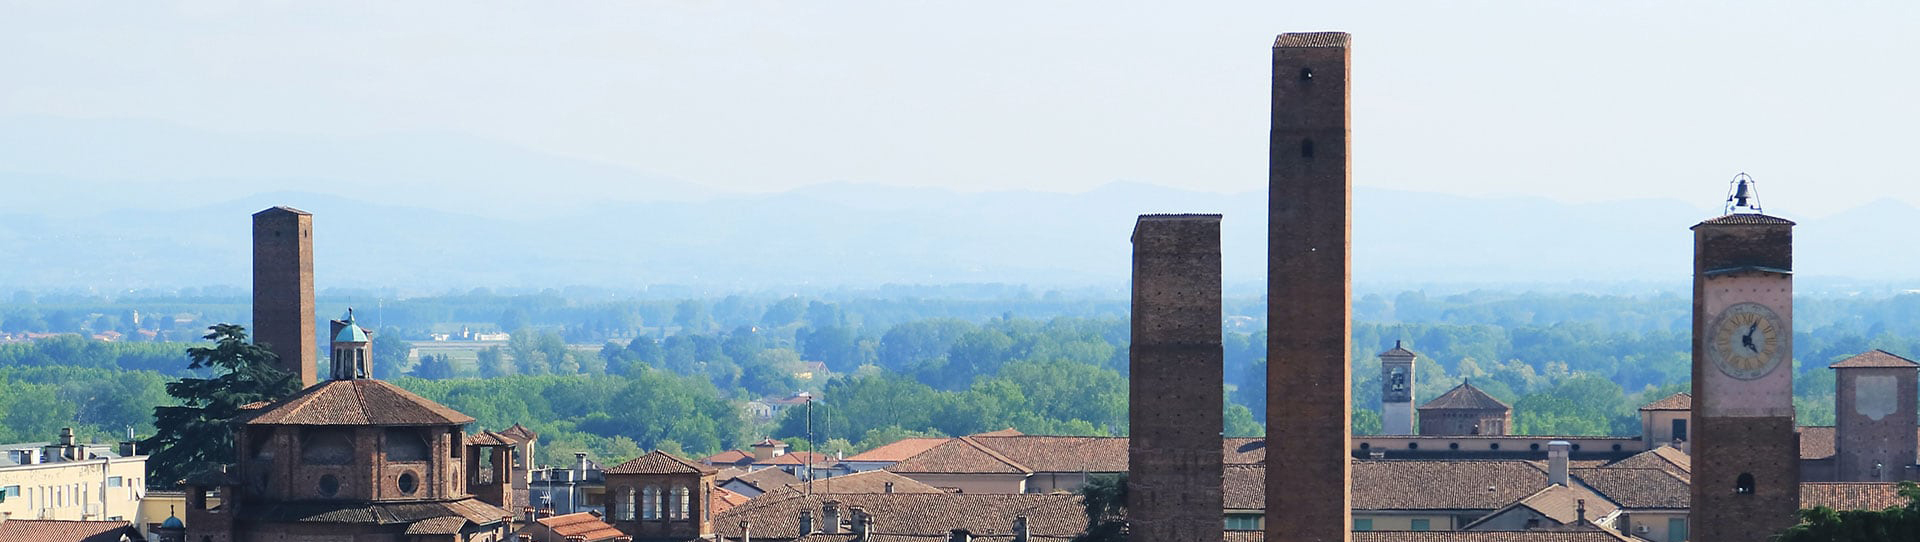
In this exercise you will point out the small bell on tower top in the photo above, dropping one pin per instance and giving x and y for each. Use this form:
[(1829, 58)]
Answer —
[(1742, 193)]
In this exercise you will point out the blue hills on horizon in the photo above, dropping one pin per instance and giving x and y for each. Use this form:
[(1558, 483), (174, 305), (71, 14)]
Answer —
[(113, 205)]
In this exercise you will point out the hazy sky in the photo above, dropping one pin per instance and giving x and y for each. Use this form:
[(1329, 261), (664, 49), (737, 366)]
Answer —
[(1578, 101)]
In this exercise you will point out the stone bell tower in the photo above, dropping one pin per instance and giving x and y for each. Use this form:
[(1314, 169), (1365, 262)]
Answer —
[(1396, 391), (1746, 456)]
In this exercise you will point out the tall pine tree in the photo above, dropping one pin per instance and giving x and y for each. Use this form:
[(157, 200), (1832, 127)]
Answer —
[(198, 434)]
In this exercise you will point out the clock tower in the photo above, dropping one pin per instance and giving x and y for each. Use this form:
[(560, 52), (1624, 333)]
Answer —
[(1746, 472)]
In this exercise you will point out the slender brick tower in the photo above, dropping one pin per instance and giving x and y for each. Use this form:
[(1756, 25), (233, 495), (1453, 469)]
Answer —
[(1746, 455), (1309, 295), (283, 314), (1174, 460)]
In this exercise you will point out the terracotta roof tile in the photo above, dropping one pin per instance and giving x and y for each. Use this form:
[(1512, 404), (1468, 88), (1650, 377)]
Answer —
[(1875, 358), (898, 450), (1558, 503), (913, 513), (1465, 397), (724, 498), (960, 455), (488, 438), (658, 462), (1850, 495), (1399, 484), (1397, 352), (377, 513), (873, 481), (1313, 39), (1581, 534), (1244, 450), (1816, 441), (1008, 432), (729, 457), (768, 479), (46, 530), (357, 402), (520, 432), (1747, 219), (1665, 458), (797, 458), (1244, 487), (582, 524), (1678, 401), (1638, 488), (436, 526), (1061, 454)]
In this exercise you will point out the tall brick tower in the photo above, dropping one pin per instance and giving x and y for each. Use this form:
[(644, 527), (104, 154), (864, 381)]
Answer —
[(1309, 295), (1746, 456), (1396, 391), (1174, 460), (1874, 418), (283, 315)]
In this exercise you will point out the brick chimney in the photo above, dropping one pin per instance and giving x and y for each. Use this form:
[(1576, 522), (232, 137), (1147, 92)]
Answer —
[(862, 524), (806, 522), (1021, 532), (1580, 508), (1557, 452), (746, 529), (830, 517)]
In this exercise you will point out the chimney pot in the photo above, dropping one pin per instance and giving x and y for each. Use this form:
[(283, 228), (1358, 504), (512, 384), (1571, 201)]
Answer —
[(959, 535), (889, 487), (1580, 507), (1021, 531), (830, 517), (1557, 457), (746, 529), (806, 522)]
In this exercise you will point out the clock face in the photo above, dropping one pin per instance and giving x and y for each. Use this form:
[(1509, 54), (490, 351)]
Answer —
[(1745, 341)]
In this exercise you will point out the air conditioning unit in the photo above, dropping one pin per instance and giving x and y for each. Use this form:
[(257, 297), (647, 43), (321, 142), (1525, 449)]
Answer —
[(1641, 529)]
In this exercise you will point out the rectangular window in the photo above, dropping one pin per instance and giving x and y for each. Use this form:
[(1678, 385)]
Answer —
[(115, 481), (9, 492), (1362, 524), (1679, 430), (1422, 525), (1243, 522), (1677, 529)]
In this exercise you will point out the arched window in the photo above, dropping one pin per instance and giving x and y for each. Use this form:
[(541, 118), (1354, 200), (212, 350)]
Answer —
[(680, 503), (650, 503), (1744, 484), (627, 506)]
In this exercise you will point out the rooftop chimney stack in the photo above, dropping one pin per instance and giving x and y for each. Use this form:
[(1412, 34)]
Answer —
[(959, 535), (746, 529), (806, 522), (1557, 452), (830, 517), (862, 524), (1580, 508), (1021, 531)]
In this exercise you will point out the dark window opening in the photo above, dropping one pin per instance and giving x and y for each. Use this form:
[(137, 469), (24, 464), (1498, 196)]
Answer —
[(329, 485), (1306, 74), (1453, 446), (1679, 430), (1616, 447), (1744, 484), (1413, 446), (1306, 149), (1494, 446), (1365, 445), (1535, 446), (327, 447), (405, 444)]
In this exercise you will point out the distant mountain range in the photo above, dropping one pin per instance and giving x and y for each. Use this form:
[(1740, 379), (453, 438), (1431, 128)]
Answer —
[(151, 212)]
